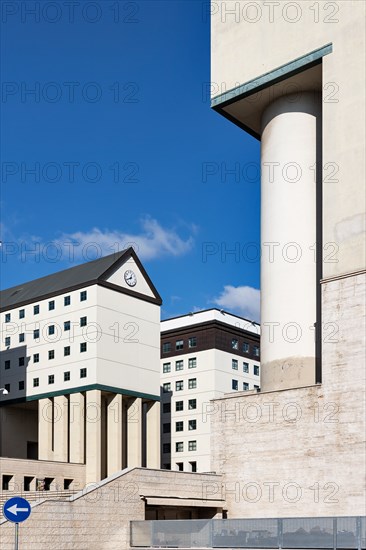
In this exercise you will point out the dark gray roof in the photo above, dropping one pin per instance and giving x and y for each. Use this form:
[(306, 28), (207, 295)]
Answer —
[(56, 283)]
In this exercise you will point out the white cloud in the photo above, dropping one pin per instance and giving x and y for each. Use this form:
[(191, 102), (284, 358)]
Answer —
[(242, 300)]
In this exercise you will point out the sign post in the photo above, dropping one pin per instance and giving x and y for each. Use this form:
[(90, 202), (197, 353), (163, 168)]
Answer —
[(16, 510)]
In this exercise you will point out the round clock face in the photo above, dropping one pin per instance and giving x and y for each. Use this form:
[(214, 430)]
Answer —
[(130, 277)]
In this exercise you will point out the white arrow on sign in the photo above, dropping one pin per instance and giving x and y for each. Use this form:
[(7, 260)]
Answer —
[(14, 510)]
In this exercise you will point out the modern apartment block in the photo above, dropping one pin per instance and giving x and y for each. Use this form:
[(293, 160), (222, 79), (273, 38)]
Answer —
[(80, 365), (204, 355)]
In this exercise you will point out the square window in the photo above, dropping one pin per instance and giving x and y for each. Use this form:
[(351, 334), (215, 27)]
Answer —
[(66, 376), (256, 370), (51, 329), (66, 351), (82, 347), (21, 313), (166, 448), (234, 364), (167, 347), (83, 296), (166, 428), (179, 365), (192, 383), (256, 351), (256, 387), (192, 342), (192, 363), (36, 358), (179, 385), (192, 404), (7, 364), (234, 384), (235, 343), (166, 367), (21, 384), (35, 310), (246, 347), (166, 408), (192, 424), (67, 325), (246, 367), (192, 445), (179, 405), (83, 321), (51, 305), (36, 334), (7, 341), (180, 466), (179, 426), (166, 387), (7, 387), (179, 447), (7, 317), (21, 361), (21, 337), (51, 354), (67, 300), (245, 386), (179, 344), (35, 382), (51, 378), (83, 373), (193, 466)]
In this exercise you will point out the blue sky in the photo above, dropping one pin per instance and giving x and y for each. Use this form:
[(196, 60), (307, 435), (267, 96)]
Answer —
[(117, 144)]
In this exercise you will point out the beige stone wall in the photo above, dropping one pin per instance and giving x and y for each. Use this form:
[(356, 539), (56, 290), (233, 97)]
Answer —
[(301, 452), (100, 519)]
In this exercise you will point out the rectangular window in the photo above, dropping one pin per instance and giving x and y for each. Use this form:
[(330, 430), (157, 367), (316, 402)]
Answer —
[(179, 385), (67, 350), (36, 334), (83, 321), (67, 300), (51, 305), (35, 310), (83, 373), (192, 342), (179, 405), (166, 428), (7, 364), (179, 344), (21, 337), (51, 354), (192, 383), (21, 313), (179, 447), (67, 325), (256, 351), (166, 408), (256, 387), (192, 424), (21, 361), (51, 330), (235, 343), (180, 466), (36, 358), (245, 386), (167, 347), (192, 363), (234, 364), (35, 382), (246, 367), (179, 365), (7, 387), (7, 341), (192, 404), (83, 296), (66, 376), (166, 448), (166, 387), (7, 317), (256, 370), (192, 445), (166, 367), (51, 378), (246, 347), (234, 384), (21, 384), (82, 347), (193, 466), (179, 426)]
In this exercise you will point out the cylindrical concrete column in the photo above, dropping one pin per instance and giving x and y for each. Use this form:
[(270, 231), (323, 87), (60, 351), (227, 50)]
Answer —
[(77, 427), (45, 429), (93, 415), (60, 428), (114, 434), (290, 135), (134, 433), (153, 435)]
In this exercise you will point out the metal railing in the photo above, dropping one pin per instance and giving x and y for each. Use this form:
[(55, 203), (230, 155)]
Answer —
[(318, 533)]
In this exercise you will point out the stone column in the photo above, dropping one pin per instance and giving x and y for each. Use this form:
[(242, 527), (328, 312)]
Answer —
[(60, 428), (93, 415), (290, 136), (153, 435), (134, 433), (45, 425), (77, 428), (114, 434)]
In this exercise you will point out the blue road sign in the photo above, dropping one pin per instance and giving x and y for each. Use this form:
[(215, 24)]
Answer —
[(17, 509)]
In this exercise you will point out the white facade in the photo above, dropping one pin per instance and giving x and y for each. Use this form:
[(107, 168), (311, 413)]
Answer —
[(197, 373)]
